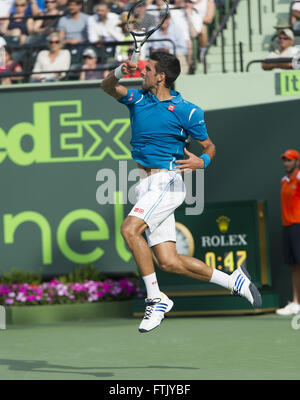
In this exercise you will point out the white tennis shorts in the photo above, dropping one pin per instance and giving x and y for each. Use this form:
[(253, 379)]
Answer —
[(158, 196)]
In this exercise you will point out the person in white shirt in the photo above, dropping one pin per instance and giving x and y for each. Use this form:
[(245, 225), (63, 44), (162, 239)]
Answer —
[(170, 31), (103, 26), (295, 16), (188, 22), (5, 8), (207, 11), (286, 50), (54, 59)]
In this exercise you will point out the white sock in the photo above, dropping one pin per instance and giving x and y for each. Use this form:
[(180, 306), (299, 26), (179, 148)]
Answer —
[(221, 279), (152, 287)]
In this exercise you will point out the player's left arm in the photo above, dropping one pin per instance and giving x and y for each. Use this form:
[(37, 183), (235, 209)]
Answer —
[(193, 161)]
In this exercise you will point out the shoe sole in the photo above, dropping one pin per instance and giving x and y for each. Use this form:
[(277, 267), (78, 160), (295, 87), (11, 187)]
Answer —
[(257, 301), (150, 330)]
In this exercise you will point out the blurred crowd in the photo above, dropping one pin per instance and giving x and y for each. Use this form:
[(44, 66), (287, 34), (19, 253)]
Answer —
[(50, 40), (68, 35)]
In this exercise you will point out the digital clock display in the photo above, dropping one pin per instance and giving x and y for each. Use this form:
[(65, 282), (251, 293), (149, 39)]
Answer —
[(228, 261)]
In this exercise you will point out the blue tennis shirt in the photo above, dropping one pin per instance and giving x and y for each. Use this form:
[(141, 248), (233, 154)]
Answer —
[(160, 128)]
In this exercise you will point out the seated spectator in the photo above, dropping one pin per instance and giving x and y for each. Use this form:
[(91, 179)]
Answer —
[(48, 25), (170, 31), (188, 22), (73, 26), (54, 59), (104, 25), (207, 11), (286, 50), (145, 18), (90, 60), (10, 66), (295, 17), (123, 50), (20, 26), (33, 8)]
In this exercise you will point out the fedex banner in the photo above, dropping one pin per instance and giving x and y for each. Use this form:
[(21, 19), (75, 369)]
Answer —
[(54, 140)]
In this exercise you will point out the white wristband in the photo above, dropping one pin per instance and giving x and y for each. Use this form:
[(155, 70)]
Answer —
[(118, 72)]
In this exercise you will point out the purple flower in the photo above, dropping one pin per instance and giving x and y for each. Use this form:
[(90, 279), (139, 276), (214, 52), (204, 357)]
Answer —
[(30, 298)]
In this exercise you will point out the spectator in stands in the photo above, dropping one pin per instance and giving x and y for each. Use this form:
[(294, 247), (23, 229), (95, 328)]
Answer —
[(286, 50), (33, 8), (295, 17), (73, 26), (90, 63), (48, 25), (188, 22), (145, 19), (170, 31), (104, 25), (19, 27), (123, 50), (54, 59), (10, 66), (207, 11)]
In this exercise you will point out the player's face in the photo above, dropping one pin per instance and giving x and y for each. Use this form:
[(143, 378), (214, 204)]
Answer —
[(290, 165), (151, 77)]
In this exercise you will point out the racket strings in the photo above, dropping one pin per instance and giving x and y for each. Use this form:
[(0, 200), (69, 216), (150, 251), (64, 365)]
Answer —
[(140, 20)]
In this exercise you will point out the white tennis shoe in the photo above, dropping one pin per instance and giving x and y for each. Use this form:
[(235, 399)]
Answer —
[(241, 285), (289, 309), (155, 312)]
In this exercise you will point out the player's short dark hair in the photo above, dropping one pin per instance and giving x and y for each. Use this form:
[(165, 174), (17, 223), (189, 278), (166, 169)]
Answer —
[(167, 63)]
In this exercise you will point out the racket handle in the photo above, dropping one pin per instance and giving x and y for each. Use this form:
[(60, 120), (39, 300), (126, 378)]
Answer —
[(135, 56)]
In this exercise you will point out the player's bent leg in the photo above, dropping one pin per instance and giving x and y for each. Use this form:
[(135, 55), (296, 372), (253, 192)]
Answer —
[(170, 261), (131, 230), (157, 303), (239, 282)]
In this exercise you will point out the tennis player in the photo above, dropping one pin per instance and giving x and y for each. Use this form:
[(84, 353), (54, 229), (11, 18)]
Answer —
[(161, 121)]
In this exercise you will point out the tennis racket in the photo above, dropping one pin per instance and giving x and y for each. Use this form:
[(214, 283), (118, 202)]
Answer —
[(142, 24)]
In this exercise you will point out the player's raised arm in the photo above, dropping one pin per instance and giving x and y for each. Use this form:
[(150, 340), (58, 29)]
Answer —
[(111, 85)]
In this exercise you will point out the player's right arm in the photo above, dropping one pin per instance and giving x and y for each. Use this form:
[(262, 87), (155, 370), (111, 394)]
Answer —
[(111, 85)]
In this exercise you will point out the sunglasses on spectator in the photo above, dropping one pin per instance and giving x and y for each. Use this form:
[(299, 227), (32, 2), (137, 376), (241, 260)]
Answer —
[(284, 38), (50, 1), (54, 41), (20, 5)]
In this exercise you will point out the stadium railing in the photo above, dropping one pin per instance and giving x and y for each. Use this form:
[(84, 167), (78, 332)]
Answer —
[(271, 61), (220, 32)]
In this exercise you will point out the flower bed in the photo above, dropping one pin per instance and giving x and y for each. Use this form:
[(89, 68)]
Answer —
[(56, 292)]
